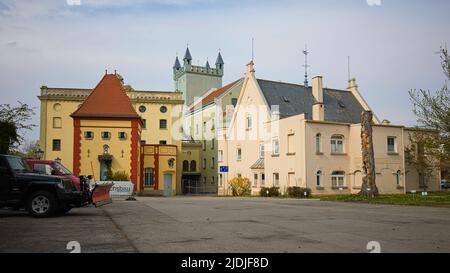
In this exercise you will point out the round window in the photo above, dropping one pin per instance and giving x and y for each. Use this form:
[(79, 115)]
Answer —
[(142, 109), (163, 109), (57, 107)]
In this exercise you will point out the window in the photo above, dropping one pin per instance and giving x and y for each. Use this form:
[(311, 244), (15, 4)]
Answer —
[(238, 154), (398, 178), (318, 143), (144, 124), (337, 144), (291, 180), (255, 180), (213, 162), (196, 128), (391, 144), (106, 135), (234, 101), (185, 166), (204, 145), (122, 135), (261, 150), (204, 179), (162, 142), (263, 179), (57, 123), (142, 109), (220, 153), (213, 124), (43, 169), (318, 178), (56, 145), (275, 147), (204, 126), (149, 177), (163, 109), (193, 166), (248, 123), (276, 179), (162, 124), (213, 180), (337, 179), (88, 135), (291, 149), (220, 180), (204, 163), (212, 143)]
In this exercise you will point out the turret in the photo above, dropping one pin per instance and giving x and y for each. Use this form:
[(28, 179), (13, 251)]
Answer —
[(187, 57), (219, 62), (176, 65)]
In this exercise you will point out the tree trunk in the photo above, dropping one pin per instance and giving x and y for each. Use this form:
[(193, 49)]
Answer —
[(368, 187)]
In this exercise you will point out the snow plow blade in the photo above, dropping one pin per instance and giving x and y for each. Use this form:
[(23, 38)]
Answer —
[(100, 194)]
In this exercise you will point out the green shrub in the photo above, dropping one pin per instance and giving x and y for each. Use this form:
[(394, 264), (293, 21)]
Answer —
[(240, 186), (298, 192), (119, 176), (269, 192)]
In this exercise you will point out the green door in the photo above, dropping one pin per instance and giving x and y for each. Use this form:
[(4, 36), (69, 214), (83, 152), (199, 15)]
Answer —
[(167, 184)]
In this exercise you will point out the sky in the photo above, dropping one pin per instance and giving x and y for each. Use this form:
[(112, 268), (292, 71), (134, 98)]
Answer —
[(392, 44)]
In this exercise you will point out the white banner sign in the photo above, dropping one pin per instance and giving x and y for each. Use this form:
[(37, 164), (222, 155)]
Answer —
[(120, 188)]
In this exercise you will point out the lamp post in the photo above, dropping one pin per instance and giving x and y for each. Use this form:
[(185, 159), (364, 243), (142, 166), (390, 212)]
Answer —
[(39, 154)]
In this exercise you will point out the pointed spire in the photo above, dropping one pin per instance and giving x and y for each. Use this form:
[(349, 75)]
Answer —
[(177, 65), (207, 65), (187, 55), (219, 59)]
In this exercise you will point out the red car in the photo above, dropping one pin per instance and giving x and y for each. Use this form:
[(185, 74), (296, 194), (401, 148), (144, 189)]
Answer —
[(51, 167)]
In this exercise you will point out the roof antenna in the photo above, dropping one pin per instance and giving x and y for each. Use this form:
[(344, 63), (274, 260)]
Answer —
[(348, 68), (253, 48), (306, 52)]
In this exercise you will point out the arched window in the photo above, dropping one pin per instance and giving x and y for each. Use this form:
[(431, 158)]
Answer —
[(338, 179), (397, 177), (185, 166), (337, 144), (318, 178), (318, 143), (193, 166)]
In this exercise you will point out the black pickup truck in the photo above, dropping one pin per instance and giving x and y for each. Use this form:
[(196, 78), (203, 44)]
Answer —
[(43, 195)]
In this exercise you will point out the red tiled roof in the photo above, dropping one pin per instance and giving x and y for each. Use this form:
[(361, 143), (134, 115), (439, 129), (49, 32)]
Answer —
[(210, 97), (108, 99)]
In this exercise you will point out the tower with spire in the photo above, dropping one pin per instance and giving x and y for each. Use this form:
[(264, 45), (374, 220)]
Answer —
[(194, 80)]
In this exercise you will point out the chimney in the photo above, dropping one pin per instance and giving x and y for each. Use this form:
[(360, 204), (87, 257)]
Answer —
[(317, 91)]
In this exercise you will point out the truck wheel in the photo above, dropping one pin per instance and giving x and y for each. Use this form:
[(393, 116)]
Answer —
[(41, 204)]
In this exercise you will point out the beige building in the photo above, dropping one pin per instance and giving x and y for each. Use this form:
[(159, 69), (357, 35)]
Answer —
[(285, 135)]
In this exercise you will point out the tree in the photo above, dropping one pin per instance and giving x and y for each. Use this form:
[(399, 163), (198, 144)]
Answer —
[(13, 123), (240, 186), (430, 142), (368, 187), (30, 149)]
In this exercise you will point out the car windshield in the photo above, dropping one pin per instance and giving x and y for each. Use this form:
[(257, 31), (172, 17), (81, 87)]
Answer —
[(63, 170), (18, 164)]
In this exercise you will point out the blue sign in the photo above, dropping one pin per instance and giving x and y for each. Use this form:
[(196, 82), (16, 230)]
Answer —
[(223, 169)]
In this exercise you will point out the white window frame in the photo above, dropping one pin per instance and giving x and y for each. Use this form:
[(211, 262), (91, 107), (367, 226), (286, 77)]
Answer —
[(276, 179), (261, 150), (213, 162), (318, 143), (238, 153), (220, 155), (338, 177), (255, 179), (395, 144), (336, 142), (275, 147), (319, 178)]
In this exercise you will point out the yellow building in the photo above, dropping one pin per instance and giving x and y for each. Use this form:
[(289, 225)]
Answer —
[(159, 114)]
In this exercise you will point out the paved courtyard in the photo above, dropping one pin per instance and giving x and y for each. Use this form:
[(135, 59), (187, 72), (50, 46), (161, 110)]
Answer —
[(210, 224)]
